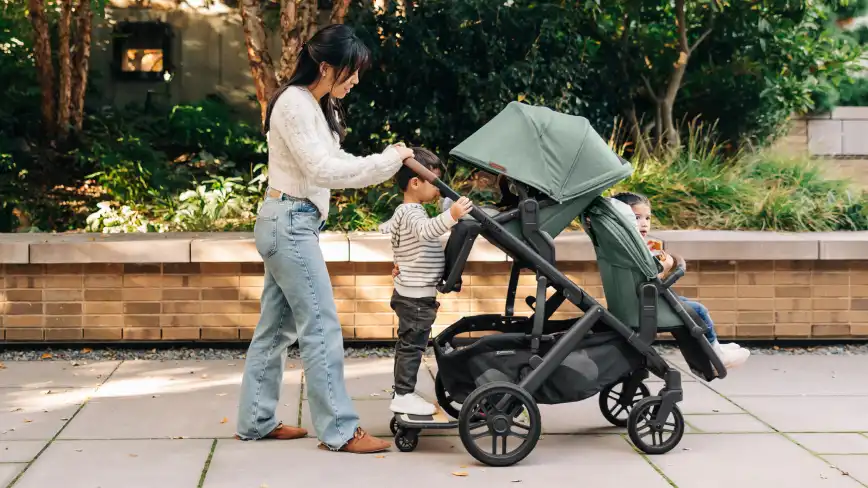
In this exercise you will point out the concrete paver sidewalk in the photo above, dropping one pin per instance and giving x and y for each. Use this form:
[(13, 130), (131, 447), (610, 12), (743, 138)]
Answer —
[(788, 421)]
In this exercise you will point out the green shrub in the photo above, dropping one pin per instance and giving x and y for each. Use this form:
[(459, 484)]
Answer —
[(699, 188)]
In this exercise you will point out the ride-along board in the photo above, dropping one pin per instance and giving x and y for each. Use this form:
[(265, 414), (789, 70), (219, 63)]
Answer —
[(406, 427)]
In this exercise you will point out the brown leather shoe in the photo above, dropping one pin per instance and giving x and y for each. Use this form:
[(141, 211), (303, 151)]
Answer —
[(284, 433), (362, 443)]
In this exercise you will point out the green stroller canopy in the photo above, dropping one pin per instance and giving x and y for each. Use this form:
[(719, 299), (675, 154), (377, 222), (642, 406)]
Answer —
[(558, 154)]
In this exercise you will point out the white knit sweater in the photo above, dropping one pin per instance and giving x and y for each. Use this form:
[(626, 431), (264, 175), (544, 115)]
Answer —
[(305, 159)]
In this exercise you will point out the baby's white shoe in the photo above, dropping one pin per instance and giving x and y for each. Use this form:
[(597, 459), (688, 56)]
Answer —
[(731, 357)]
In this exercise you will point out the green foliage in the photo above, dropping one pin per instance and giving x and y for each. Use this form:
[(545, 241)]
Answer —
[(703, 188), (447, 67)]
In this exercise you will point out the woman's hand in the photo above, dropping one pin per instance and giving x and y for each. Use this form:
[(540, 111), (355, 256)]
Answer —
[(403, 151), (460, 208)]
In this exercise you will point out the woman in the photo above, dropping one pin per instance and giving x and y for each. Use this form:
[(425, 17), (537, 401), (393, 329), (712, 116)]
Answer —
[(305, 161)]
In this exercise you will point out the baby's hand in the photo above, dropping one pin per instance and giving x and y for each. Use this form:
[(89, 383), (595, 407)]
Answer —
[(395, 271), (461, 208)]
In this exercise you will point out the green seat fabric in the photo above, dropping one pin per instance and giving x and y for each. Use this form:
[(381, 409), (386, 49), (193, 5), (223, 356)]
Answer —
[(624, 263)]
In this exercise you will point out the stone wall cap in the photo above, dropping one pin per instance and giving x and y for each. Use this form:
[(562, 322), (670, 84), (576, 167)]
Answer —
[(375, 246)]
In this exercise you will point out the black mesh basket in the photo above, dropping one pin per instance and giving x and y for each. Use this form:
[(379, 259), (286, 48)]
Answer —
[(602, 358)]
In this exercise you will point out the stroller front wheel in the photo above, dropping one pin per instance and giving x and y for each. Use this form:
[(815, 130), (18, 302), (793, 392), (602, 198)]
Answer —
[(512, 435), (643, 424)]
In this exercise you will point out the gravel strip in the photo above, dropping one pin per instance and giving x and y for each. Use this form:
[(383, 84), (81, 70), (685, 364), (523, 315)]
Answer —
[(206, 353)]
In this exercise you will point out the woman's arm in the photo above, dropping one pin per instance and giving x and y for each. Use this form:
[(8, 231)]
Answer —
[(295, 119)]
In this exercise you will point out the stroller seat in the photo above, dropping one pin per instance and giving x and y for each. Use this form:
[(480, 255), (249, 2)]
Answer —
[(629, 272)]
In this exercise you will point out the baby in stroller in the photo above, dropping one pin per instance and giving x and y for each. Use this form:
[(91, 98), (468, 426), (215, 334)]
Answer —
[(731, 354)]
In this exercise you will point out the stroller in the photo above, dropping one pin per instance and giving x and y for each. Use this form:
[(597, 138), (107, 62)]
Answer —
[(492, 383)]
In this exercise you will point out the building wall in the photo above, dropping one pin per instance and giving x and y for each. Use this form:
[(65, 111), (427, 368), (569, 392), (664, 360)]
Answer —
[(209, 54), (201, 287)]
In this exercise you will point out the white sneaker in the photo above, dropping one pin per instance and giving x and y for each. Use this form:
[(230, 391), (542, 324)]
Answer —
[(732, 346), (412, 404)]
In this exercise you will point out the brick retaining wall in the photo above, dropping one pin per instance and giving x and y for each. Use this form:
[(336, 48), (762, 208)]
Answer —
[(205, 287)]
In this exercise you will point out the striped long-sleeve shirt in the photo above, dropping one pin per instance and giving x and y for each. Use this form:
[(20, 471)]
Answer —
[(417, 249)]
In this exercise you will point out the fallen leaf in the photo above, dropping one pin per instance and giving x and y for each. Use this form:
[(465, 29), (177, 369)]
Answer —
[(231, 364), (78, 450), (27, 421), (64, 419), (463, 467), (375, 394), (516, 481), (2, 366), (178, 437), (15, 410), (47, 355), (845, 473), (380, 456), (221, 394), (86, 350), (134, 455), (224, 420), (460, 473)]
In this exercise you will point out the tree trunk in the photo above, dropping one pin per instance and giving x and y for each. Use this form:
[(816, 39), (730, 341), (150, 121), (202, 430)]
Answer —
[(670, 133), (44, 66), (261, 64), (64, 68), (80, 60), (289, 34), (307, 19), (640, 150), (339, 11)]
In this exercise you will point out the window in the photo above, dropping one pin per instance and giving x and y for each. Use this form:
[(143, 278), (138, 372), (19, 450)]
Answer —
[(142, 51)]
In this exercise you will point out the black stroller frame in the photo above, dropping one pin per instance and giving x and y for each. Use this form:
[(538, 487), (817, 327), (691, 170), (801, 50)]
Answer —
[(495, 405)]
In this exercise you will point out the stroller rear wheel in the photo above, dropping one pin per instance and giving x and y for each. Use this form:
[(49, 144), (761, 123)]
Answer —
[(513, 435), (664, 434), (613, 406)]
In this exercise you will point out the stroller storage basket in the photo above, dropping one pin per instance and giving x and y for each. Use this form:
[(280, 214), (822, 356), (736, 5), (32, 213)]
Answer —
[(601, 359)]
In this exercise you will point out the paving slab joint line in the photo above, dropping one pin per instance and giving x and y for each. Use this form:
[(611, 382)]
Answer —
[(298, 419), (821, 458), (787, 437), (207, 464), (60, 431), (649, 461)]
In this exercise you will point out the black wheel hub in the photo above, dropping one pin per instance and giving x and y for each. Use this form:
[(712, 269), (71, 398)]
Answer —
[(500, 424)]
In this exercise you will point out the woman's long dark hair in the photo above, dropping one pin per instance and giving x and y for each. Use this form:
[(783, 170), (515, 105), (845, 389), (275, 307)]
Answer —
[(338, 46)]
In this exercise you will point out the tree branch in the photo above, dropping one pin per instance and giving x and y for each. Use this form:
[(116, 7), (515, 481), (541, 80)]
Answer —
[(339, 11), (650, 89)]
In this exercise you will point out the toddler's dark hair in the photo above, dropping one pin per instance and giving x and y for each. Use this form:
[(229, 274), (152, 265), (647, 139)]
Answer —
[(427, 158), (631, 198)]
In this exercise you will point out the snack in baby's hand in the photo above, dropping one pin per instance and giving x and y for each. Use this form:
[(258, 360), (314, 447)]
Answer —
[(655, 245)]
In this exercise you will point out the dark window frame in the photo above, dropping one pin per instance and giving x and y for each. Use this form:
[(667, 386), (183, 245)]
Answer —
[(149, 34)]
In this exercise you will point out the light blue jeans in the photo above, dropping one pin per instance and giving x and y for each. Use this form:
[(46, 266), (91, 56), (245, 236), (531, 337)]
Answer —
[(297, 304)]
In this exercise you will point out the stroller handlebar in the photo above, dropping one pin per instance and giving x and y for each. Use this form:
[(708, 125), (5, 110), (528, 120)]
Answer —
[(423, 172)]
